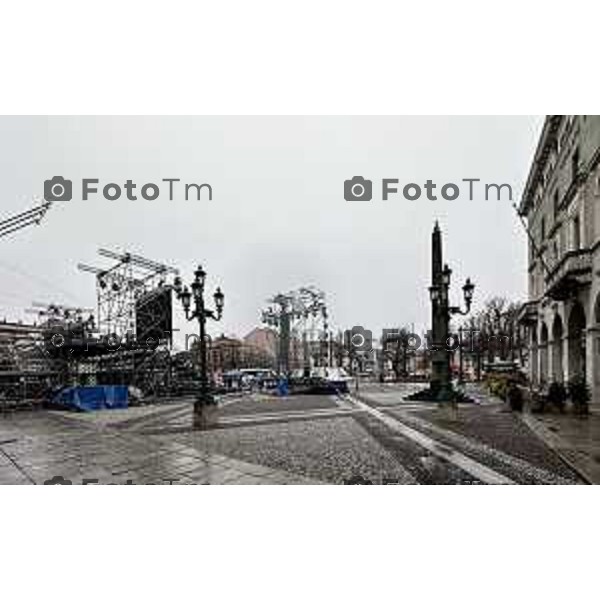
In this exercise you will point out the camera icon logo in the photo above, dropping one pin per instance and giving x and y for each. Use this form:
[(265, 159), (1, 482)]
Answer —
[(58, 188), (359, 339), (55, 338), (358, 188), (58, 480)]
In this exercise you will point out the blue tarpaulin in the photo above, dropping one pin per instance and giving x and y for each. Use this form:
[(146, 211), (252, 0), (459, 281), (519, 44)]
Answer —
[(96, 397)]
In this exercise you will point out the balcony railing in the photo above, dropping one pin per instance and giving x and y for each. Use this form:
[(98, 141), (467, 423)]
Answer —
[(528, 313), (573, 270)]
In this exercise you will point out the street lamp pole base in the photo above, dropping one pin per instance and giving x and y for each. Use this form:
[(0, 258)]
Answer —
[(440, 394), (205, 414)]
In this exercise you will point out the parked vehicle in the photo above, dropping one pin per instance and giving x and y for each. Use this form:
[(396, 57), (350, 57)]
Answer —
[(321, 380), (245, 379)]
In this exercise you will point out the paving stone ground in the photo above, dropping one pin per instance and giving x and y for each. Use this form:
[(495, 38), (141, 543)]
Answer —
[(500, 429), (575, 437), (334, 450), (41, 447), (268, 440)]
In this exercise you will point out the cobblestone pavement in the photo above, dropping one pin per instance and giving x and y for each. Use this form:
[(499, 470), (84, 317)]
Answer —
[(374, 436), (486, 432)]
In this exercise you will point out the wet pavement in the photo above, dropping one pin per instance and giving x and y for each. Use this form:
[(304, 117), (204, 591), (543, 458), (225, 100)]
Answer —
[(575, 437), (375, 436), (47, 447)]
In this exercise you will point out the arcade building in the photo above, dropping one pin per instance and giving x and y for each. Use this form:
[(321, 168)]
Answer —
[(561, 203)]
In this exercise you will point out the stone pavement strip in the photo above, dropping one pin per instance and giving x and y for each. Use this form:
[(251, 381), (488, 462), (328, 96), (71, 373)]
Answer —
[(575, 439), (485, 433), (476, 469)]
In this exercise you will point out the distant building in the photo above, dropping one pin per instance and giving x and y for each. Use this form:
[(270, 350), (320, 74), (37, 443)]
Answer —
[(263, 338), (561, 203), (231, 354)]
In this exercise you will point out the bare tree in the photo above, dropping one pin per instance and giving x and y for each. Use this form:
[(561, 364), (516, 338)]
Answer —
[(495, 329), (396, 348)]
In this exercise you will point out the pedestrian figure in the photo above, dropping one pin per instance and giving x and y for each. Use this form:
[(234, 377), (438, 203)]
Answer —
[(514, 396), (282, 387)]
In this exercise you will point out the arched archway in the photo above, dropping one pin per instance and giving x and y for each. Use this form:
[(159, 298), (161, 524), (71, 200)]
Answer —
[(544, 348), (577, 341), (557, 349)]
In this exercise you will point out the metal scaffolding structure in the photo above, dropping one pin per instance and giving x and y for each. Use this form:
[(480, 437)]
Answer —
[(121, 285), (68, 346), (33, 216), (300, 313)]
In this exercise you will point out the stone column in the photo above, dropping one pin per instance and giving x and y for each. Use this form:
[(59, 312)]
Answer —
[(440, 365), (592, 363), (550, 361), (565, 356), (534, 367)]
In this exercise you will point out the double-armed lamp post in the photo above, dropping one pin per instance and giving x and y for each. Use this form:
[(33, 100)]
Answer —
[(441, 313), (201, 314), (280, 316)]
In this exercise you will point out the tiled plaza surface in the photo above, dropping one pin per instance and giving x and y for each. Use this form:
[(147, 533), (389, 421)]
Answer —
[(373, 436), (40, 447)]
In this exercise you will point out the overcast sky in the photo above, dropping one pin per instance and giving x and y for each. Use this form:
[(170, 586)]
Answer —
[(278, 219)]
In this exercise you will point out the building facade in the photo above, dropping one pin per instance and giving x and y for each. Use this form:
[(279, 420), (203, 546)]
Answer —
[(231, 354), (561, 203), (264, 338)]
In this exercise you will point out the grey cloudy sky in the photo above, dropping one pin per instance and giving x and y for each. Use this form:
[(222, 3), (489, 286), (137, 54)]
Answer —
[(278, 219)]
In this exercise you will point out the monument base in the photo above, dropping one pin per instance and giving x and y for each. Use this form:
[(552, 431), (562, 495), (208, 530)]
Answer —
[(440, 395)]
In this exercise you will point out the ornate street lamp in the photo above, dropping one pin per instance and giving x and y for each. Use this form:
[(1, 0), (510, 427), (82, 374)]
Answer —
[(201, 314), (468, 290), (446, 275), (435, 293), (439, 293)]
